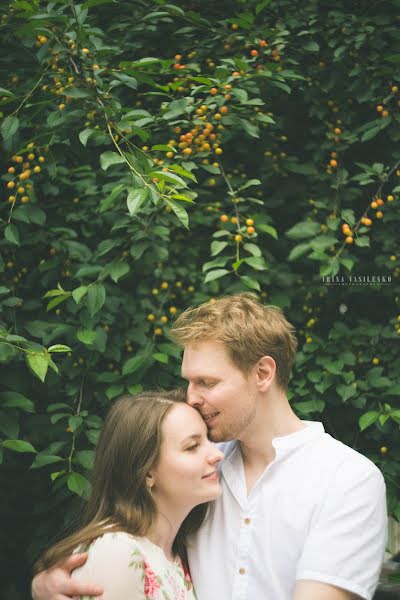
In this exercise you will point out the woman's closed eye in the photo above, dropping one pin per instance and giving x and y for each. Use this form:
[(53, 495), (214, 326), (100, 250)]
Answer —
[(192, 447)]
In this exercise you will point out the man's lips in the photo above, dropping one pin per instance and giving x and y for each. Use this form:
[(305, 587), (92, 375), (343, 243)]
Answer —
[(210, 416)]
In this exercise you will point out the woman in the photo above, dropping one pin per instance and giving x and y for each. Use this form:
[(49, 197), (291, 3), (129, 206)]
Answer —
[(154, 472)]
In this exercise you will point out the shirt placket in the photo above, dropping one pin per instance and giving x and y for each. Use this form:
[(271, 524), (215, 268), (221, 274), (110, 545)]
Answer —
[(242, 564)]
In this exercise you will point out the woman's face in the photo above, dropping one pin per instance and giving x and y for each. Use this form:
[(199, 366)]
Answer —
[(186, 473)]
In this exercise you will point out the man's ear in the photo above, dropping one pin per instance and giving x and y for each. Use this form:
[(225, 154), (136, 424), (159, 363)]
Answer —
[(265, 372)]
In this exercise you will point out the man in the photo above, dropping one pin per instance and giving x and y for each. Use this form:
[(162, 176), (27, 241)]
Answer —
[(301, 516)]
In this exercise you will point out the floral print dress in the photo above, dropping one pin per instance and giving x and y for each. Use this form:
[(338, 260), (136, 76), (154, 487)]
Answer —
[(133, 568)]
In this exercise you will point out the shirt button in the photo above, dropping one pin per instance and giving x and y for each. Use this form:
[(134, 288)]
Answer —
[(242, 571), (247, 521)]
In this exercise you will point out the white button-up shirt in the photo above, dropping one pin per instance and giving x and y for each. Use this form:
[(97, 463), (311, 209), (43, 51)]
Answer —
[(318, 512)]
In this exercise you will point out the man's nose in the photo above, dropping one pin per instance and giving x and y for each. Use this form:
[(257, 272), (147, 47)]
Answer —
[(193, 398)]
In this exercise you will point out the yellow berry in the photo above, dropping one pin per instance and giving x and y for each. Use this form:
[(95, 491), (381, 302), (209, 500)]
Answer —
[(150, 317), (36, 169), (11, 185)]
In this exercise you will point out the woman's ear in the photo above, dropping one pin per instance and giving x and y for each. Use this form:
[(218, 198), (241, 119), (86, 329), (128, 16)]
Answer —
[(150, 480)]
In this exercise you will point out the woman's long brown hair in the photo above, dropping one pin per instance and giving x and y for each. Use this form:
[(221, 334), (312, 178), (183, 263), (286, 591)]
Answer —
[(128, 448)]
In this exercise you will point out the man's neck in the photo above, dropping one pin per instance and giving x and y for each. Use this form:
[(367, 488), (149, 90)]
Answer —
[(274, 418)]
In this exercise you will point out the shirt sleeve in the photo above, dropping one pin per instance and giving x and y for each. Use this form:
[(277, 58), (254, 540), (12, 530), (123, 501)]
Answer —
[(117, 565), (347, 538)]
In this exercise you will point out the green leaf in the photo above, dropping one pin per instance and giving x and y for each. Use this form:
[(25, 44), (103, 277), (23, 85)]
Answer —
[(59, 348), (86, 336), (16, 400), (362, 241), (171, 177), (75, 422), (118, 270), (249, 128), (85, 458), (302, 230), (42, 460), (253, 249), (180, 212), (133, 364), (163, 148), (39, 363), (79, 485), (160, 357), (110, 158), (217, 274), (217, 247), (96, 298), (85, 135), (79, 293), (368, 419), (18, 446), (298, 251), (114, 390), (217, 262), (9, 128), (136, 197), (11, 234), (268, 229), (257, 262), (311, 46), (250, 282)]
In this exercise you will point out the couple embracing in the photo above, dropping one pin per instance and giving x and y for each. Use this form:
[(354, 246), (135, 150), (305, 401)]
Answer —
[(221, 492)]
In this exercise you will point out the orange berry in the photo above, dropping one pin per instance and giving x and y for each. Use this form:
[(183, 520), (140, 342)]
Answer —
[(11, 185), (367, 222), (250, 230), (224, 218), (19, 159), (380, 202), (11, 170), (379, 214), (349, 239), (337, 131), (235, 74), (234, 220), (169, 155), (385, 113), (263, 43), (333, 154), (254, 53), (187, 151), (333, 162), (178, 56), (223, 110), (213, 91)]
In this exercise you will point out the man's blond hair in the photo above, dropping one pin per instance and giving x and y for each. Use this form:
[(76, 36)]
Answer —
[(247, 328)]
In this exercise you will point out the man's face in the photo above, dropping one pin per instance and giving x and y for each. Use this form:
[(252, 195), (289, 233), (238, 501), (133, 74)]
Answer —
[(223, 395)]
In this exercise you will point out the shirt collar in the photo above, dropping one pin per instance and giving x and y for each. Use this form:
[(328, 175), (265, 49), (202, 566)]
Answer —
[(286, 443)]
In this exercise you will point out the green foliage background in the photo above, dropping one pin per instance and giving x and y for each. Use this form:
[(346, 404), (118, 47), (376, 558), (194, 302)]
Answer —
[(120, 229)]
